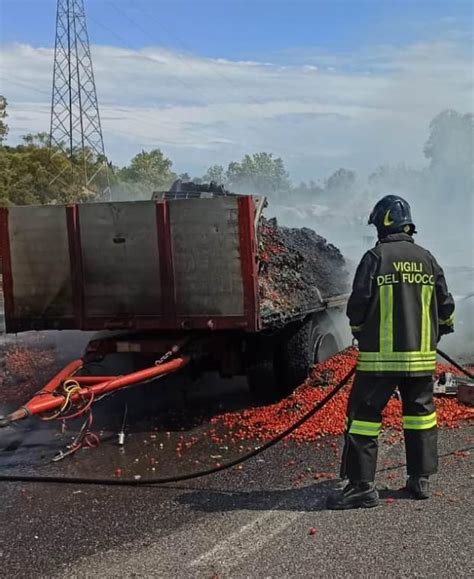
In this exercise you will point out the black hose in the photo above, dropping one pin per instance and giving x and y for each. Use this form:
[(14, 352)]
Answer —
[(455, 364), (213, 470), (184, 477)]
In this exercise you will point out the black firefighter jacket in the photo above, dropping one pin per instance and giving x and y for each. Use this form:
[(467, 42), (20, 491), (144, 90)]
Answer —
[(399, 308)]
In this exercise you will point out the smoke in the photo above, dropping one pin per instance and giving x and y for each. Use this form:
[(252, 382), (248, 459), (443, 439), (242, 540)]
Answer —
[(136, 191), (441, 195), (337, 323), (460, 344)]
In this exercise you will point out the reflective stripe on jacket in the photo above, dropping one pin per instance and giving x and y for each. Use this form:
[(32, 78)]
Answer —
[(399, 307)]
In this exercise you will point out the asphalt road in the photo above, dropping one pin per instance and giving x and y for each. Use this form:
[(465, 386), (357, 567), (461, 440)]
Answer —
[(249, 522)]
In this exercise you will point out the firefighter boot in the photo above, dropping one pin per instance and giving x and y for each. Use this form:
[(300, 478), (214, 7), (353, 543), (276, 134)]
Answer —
[(418, 487), (354, 496)]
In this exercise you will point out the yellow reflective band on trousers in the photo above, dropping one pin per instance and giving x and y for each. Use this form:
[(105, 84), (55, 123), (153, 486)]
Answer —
[(365, 428), (386, 318), (396, 361), (406, 366), (419, 422), (426, 296), (397, 356)]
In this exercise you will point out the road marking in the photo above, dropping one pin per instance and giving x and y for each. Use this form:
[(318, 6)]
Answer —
[(247, 540)]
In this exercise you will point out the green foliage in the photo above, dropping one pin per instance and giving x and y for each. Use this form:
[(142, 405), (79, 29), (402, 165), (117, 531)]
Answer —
[(395, 179), (29, 174), (215, 173), (451, 140), (258, 173), (151, 170), (32, 173), (449, 149), (340, 184)]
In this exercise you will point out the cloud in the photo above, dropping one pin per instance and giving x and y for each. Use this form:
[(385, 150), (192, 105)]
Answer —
[(317, 111)]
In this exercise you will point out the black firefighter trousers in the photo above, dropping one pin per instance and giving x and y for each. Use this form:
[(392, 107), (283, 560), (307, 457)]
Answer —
[(368, 398)]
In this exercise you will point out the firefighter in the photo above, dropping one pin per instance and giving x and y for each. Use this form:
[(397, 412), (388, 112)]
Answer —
[(398, 310)]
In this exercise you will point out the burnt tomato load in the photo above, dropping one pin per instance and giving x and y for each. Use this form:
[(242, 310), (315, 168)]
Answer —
[(297, 269)]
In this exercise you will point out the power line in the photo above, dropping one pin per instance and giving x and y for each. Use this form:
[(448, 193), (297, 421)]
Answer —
[(148, 59), (209, 62), (189, 50), (186, 62), (20, 82)]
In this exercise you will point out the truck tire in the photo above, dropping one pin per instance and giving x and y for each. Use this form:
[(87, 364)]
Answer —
[(310, 342), (326, 347)]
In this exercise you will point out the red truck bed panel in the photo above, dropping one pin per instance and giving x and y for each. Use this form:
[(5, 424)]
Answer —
[(132, 265)]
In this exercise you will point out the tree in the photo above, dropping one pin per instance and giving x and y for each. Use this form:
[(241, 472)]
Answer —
[(150, 169), (399, 179), (259, 173), (32, 173), (340, 185), (450, 177), (309, 192), (451, 140), (215, 173), (3, 115)]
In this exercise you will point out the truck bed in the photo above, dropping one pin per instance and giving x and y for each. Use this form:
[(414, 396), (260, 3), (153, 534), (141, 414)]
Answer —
[(144, 265)]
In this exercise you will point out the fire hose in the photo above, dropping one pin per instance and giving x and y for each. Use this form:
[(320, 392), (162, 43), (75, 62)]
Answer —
[(109, 481), (180, 478), (455, 364)]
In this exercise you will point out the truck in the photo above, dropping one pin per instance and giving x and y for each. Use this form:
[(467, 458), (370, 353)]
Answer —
[(174, 276)]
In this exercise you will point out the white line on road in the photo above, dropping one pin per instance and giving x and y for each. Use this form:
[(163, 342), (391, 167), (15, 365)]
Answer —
[(249, 539)]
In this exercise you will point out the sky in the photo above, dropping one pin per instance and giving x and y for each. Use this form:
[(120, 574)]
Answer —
[(321, 83)]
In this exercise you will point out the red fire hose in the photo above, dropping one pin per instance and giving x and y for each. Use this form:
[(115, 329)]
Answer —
[(86, 388), (184, 477)]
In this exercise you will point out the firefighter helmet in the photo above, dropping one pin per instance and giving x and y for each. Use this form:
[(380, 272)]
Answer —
[(392, 214)]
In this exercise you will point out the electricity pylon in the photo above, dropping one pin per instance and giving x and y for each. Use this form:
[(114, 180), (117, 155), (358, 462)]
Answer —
[(75, 122)]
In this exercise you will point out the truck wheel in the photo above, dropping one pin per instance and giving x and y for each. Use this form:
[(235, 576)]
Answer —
[(326, 347), (305, 346)]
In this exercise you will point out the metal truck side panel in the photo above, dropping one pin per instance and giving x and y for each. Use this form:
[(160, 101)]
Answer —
[(120, 259), (171, 265), (40, 265), (206, 257)]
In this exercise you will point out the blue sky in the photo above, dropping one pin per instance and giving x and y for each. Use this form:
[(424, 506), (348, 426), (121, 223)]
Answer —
[(243, 29), (322, 84)]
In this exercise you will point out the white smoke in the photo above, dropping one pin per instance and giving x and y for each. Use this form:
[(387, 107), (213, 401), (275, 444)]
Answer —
[(441, 195)]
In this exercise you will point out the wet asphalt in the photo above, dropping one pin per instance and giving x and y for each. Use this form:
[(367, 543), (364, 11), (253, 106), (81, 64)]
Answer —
[(248, 522)]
